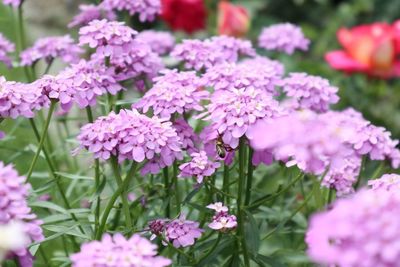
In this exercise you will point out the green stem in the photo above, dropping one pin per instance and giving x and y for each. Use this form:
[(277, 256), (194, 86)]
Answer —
[(41, 142), (177, 193), (21, 40), (241, 215), (113, 198), (250, 169), (166, 185), (225, 185), (124, 192), (210, 251), (49, 64), (96, 179)]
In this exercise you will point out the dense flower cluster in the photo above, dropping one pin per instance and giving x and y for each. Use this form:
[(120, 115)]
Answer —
[(14, 3), (388, 182), (233, 111), (204, 54), (311, 92), (174, 92), (284, 37), (222, 220), (188, 137), (146, 9), (108, 37), (49, 48), (199, 167), (91, 12), (226, 76), (160, 42), (259, 61), (6, 47), (20, 99), (80, 84), (14, 207), (116, 251), (12, 238), (133, 136), (362, 230)]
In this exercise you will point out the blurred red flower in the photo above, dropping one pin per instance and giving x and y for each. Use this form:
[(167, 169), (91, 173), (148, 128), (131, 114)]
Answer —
[(186, 15), (233, 20), (372, 49)]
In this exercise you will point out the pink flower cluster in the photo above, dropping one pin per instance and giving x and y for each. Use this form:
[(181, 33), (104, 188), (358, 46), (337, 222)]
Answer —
[(117, 251), (362, 230), (20, 99), (174, 92), (283, 37), (160, 42), (222, 220), (310, 92), (6, 47), (190, 140), (50, 48), (108, 37), (199, 167), (232, 112), (91, 12), (14, 3), (388, 182), (204, 54), (227, 76), (146, 9), (80, 84), (14, 207), (131, 135), (179, 232)]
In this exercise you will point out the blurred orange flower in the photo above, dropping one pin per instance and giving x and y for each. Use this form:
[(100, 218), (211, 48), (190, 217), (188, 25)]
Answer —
[(233, 20), (372, 49)]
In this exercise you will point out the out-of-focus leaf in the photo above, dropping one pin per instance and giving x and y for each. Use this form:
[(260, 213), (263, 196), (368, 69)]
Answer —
[(252, 234)]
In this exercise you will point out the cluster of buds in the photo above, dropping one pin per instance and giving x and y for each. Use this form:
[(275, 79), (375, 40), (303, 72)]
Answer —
[(222, 220)]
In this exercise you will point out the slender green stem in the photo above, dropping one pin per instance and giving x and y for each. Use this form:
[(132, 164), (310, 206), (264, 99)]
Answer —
[(44, 257), (21, 41), (176, 188), (124, 192), (241, 215), (250, 169), (225, 185), (361, 171), (96, 179), (166, 185), (49, 64), (113, 198), (42, 139), (210, 251)]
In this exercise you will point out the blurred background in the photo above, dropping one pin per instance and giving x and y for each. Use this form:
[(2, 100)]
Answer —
[(377, 99)]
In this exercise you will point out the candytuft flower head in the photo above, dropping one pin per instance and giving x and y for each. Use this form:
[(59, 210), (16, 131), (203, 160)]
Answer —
[(160, 42), (218, 49), (222, 220), (108, 37), (181, 232), (133, 136), (12, 238), (218, 207), (14, 3), (146, 9), (388, 182), (91, 12), (190, 140), (362, 230), (199, 167), (233, 111), (14, 207), (50, 48), (6, 47), (19, 99), (174, 92), (311, 92), (116, 251), (283, 37)]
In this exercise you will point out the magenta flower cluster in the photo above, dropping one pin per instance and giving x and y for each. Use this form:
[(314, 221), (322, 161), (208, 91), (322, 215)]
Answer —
[(91, 12), (6, 47), (160, 42), (222, 221), (146, 9), (174, 92), (204, 54), (117, 251), (310, 92), (131, 135), (190, 140), (283, 37), (20, 99), (362, 230), (50, 48), (200, 167), (14, 207)]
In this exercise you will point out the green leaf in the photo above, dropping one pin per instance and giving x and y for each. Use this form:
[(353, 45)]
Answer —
[(66, 230), (49, 205), (74, 176), (252, 233), (266, 261)]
